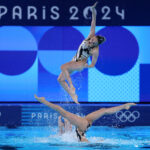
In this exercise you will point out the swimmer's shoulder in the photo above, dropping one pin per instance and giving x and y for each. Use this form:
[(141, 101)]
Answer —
[(95, 51)]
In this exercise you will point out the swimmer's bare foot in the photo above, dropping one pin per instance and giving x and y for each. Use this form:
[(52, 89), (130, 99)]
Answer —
[(40, 99), (128, 105), (75, 98)]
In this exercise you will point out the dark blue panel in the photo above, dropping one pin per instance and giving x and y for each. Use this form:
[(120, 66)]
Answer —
[(16, 62), (119, 53), (10, 116), (61, 38), (145, 82)]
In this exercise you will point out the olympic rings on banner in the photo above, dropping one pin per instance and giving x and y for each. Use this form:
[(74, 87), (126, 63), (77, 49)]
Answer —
[(128, 116)]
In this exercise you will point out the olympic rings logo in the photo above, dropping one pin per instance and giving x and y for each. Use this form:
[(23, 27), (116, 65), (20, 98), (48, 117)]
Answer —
[(128, 116)]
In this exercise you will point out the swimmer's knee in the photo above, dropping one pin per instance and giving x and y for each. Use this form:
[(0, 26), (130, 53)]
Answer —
[(63, 67), (59, 79)]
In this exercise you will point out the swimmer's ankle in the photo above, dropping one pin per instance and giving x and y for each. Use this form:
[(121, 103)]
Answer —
[(75, 98), (40, 99), (72, 90)]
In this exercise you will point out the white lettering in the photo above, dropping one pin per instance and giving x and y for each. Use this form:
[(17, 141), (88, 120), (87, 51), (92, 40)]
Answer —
[(36, 115), (45, 115), (106, 11), (33, 115), (55, 10), (50, 116), (73, 10), (39, 115), (31, 11), (17, 12), (121, 14), (3, 11), (44, 13), (55, 116)]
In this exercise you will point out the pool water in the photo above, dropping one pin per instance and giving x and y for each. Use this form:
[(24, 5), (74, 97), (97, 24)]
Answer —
[(46, 137)]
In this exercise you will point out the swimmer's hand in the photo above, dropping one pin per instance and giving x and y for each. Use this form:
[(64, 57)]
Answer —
[(88, 66), (128, 105), (60, 123), (94, 5)]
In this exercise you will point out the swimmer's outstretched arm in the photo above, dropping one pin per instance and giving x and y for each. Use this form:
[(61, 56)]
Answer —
[(93, 23)]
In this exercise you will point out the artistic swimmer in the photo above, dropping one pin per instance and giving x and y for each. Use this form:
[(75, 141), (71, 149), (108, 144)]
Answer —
[(83, 123), (89, 47)]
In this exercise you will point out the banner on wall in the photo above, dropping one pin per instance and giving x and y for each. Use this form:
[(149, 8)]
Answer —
[(37, 115), (72, 12)]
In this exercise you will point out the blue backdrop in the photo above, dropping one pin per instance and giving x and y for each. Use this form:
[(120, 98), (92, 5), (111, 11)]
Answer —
[(30, 60)]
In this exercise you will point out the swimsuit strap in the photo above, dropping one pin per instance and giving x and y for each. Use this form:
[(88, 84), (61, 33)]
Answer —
[(89, 125), (82, 133), (79, 135)]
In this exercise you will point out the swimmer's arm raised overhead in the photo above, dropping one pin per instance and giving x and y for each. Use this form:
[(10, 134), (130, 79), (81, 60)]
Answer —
[(93, 23)]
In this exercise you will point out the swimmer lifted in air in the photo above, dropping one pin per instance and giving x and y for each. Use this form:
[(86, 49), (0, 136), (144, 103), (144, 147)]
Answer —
[(89, 47), (82, 124)]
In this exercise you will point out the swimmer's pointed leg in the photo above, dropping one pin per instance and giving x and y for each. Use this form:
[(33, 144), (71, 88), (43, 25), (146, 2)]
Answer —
[(72, 90), (107, 111), (69, 90), (72, 118), (73, 95)]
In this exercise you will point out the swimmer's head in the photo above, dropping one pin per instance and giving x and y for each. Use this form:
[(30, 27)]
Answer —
[(100, 39), (96, 40)]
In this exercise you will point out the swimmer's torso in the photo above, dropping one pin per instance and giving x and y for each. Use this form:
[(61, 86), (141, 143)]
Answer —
[(81, 134), (83, 51)]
